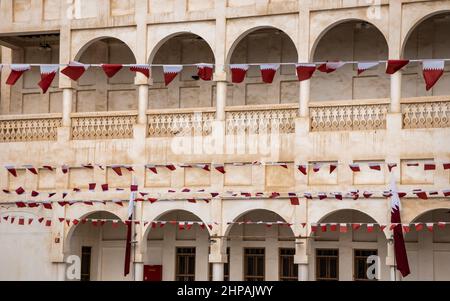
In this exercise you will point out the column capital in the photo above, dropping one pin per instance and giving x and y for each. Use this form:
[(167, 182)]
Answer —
[(220, 76), (218, 252)]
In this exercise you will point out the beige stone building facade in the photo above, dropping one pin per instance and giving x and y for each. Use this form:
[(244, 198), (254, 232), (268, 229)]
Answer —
[(339, 118)]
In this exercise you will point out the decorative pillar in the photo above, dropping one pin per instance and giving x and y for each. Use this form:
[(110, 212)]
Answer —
[(218, 257), (138, 271), (396, 91), (305, 88), (143, 104), (221, 95), (67, 106), (218, 271), (301, 258), (390, 261), (61, 271)]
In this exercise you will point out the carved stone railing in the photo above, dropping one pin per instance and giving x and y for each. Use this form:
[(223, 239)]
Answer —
[(29, 127), (426, 112), (180, 122), (341, 115), (261, 119), (103, 125)]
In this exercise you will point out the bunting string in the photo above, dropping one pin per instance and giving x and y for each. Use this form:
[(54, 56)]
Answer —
[(432, 70)]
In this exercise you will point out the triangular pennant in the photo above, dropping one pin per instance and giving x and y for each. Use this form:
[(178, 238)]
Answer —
[(111, 69), (238, 72), (305, 71), (74, 70), (141, 68), (395, 65), (48, 73), (363, 66), (329, 67), (268, 72), (432, 72), (16, 72), (205, 71), (170, 72)]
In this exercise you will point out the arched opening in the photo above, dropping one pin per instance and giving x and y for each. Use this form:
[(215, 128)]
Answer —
[(428, 242), (178, 247), (25, 97), (353, 40), (100, 244), (342, 243), (264, 45), (427, 40), (261, 247), (186, 90), (94, 90)]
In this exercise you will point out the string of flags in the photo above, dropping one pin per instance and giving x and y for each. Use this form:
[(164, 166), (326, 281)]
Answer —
[(48, 199), (432, 70), (188, 225), (303, 168)]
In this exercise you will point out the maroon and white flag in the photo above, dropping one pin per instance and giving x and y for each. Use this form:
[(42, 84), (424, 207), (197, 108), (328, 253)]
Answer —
[(432, 72), (48, 73), (363, 66), (329, 67), (170, 72), (111, 69), (12, 170), (268, 72), (205, 71), (16, 72), (130, 215), (74, 70), (393, 66), (141, 68), (401, 257), (238, 72), (305, 71)]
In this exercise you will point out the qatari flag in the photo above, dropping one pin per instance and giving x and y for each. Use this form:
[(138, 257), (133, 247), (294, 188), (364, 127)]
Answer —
[(432, 72), (238, 72), (205, 71), (268, 72), (401, 257), (48, 73), (74, 70), (141, 68), (126, 269), (305, 71), (170, 72), (16, 72)]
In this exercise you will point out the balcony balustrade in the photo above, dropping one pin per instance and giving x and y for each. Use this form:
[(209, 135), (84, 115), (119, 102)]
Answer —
[(426, 112)]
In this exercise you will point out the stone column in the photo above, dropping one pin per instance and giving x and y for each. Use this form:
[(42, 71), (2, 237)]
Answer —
[(138, 271), (61, 270), (396, 91), (67, 106), (143, 103), (301, 258), (305, 88), (390, 261), (221, 95), (218, 257)]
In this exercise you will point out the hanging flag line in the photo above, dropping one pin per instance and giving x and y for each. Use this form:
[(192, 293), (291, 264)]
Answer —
[(182, 225), (432, 70), (220, 167), (294, 197)]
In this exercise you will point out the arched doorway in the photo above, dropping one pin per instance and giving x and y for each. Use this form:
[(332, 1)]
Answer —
[(352, 40), (94, 90), (261, 247), (178, 245), (341, 244), (99, 240), (428, 246)]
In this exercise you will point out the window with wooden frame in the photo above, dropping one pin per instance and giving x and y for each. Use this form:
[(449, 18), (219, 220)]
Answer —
[(185, 264), (287, 268), (360, 264), (327, 264), (226, 268), (254, 264), (86, 254)]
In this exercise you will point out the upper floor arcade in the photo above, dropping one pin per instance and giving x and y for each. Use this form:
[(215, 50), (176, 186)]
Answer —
[(98, 107)]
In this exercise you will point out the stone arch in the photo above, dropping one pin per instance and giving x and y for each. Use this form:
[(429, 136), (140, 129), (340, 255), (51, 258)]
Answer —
[(416, 22), (79, 52), (333, 24), (276, 217), (247, 32)]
